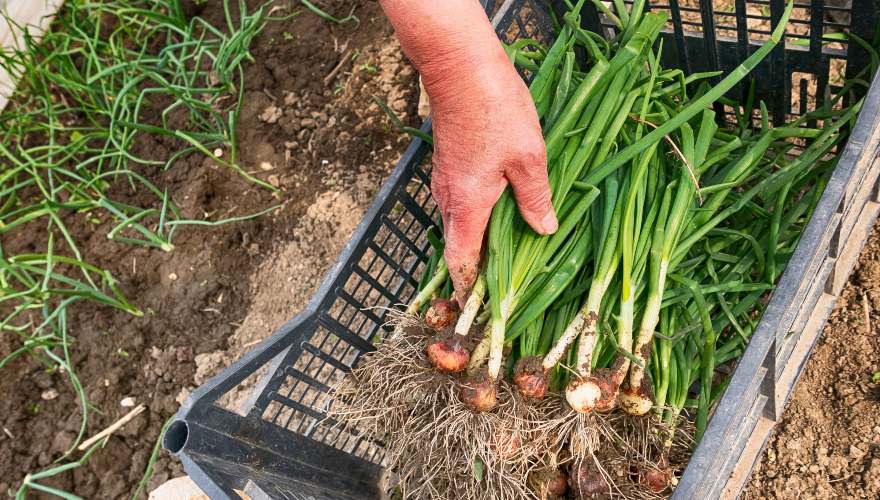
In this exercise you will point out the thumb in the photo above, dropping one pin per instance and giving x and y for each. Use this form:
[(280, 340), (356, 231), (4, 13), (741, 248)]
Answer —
[(465, 205), (531, 189)]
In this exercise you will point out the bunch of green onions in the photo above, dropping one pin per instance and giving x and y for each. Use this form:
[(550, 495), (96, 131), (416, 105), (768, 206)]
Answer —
[(672, 229)]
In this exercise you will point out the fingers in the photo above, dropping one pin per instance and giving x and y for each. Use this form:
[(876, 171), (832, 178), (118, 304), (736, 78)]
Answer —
[(465, 204), (531, 189)]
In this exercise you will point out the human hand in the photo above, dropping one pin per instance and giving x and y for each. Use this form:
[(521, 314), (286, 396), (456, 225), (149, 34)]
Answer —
[(486, 135), (486, 129)]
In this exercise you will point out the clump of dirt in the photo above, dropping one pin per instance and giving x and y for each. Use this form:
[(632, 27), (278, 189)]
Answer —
[(828, 443), (285, 281), (309, 127)]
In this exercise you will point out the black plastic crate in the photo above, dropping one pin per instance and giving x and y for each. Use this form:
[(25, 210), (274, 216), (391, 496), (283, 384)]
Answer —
[(280, 446)]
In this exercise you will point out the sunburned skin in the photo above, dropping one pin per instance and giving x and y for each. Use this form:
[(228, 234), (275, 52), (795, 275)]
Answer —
[(468, 77)]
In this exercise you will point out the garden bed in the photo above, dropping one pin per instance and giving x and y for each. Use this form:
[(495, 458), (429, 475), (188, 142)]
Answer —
[(828, 443), (327, 148)]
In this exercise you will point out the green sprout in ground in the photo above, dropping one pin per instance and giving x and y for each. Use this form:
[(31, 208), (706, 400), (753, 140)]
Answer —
[(105, 75)]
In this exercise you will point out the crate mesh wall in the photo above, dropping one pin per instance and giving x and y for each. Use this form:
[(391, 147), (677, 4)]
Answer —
[(790, 79), (384, 276)]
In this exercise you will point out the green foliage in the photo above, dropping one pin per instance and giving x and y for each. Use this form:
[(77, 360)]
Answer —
[(107, 76)]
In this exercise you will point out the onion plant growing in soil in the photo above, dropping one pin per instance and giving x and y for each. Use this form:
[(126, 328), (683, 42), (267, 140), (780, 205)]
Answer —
[(104, 75), (597, 366)]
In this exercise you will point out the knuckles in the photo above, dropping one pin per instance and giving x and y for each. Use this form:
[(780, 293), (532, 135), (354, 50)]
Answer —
[(532, 160)]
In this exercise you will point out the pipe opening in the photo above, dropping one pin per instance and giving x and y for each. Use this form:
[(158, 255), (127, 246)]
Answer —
[(176, 436)]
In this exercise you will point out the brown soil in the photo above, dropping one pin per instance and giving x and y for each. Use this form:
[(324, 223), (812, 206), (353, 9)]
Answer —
[(328, 148), (828, 443)]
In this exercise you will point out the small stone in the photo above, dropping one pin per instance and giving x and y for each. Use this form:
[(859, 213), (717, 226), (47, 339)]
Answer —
[(183, 354), (182, 395), (814, 469), (266, 166), (106, 382), (271, 114), (274, 180), (290, 98), (43, 380), (218, 153), (399, 105), (856, 452), (172, 276), (63, 441), (49, 394), (308, 123), (837, 465), (127, 402)]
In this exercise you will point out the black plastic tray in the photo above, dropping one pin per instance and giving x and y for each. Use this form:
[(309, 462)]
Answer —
[(279, 446)]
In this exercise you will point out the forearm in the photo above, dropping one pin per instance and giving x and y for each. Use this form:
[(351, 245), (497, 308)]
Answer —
[(450, 42)]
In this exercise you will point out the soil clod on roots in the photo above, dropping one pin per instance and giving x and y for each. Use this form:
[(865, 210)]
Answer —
[(548, 483), (479, 393), (530, 378), (441, 314)]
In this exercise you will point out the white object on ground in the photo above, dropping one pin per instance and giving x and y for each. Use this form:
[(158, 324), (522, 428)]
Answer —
[(179, 488), (183, 488), (32, 14), (115, 426)]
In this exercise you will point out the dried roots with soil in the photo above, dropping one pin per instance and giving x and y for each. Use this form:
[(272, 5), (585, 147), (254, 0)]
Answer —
[(584, 362)]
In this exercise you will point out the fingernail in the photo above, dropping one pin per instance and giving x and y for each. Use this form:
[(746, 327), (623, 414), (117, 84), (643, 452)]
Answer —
[(549, 224)]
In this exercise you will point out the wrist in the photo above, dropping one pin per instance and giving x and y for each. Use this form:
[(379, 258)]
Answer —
[(465, 74), (451, 43)]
